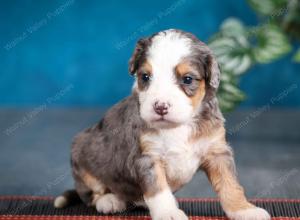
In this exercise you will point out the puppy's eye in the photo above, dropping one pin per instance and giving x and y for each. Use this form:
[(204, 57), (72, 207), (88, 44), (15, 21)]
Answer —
[(187, 80), (145, 77)]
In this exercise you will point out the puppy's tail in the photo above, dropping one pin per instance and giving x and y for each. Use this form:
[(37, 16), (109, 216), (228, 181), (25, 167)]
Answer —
[(69, 197)]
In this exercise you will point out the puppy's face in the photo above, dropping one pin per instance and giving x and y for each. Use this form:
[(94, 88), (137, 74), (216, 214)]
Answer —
[(174, 71)]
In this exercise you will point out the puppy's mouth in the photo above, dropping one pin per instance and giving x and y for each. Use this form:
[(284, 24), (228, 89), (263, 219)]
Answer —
[(163, 122), (161, 119)]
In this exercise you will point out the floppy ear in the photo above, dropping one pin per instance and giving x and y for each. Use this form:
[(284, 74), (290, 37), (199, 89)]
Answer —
[(138, 55), (213, 71)]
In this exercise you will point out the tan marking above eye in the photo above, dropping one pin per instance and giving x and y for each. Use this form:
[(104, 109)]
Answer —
[(146, 67), (184, 68)]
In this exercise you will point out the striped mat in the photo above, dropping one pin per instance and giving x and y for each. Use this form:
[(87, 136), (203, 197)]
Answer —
[(30, 207)]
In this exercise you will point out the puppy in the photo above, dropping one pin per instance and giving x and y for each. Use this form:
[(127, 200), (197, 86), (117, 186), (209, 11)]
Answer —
[(153, 142)]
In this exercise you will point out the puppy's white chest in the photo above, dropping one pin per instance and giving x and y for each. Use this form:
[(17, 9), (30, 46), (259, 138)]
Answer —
[(181, 158), (181, 161)]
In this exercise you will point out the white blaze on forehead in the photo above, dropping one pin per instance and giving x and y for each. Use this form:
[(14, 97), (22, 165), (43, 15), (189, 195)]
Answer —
[(167, 50)]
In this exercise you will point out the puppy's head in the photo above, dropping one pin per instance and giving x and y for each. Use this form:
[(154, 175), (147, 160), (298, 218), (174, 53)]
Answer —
[(174, 73)]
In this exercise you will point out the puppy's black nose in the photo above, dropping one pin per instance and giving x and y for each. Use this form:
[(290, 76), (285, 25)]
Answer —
[(161, 108)]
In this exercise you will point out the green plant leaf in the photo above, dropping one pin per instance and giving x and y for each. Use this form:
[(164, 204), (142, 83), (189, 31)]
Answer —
[(237, 47), (268, 7), (229, 95), (232, 27), (296, 57), (271, 44), (231, 47), (232, 50)]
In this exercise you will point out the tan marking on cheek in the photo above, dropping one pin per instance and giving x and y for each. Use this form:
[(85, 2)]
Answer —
[(199, 95), (184, 68)]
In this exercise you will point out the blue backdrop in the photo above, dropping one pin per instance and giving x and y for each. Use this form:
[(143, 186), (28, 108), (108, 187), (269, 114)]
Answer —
[(75, 52)]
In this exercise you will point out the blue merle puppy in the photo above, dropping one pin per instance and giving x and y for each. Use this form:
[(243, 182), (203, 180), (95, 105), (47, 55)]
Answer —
[(152, 143)]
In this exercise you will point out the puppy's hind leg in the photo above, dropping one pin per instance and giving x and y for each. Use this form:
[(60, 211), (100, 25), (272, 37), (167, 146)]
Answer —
[(104, 201), (81, 193), (219, 167)]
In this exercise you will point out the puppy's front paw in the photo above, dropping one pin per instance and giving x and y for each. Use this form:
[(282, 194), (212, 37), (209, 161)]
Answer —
[(254, 213), (110, 203), (175, 214)]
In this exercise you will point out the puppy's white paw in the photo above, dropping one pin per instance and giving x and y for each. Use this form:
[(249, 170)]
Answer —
[(110, 203), (254, 213), (175, 214)]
